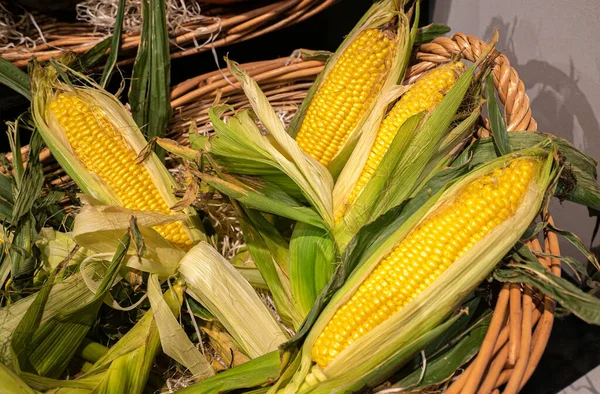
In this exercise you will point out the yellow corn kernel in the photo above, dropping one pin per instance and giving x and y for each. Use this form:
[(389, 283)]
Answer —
[(425, 253), (101, 148), (345, 95), (424, 95)]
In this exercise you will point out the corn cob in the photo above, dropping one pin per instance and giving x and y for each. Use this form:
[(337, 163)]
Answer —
[(426, 93), (429, 249), (97, 142), (346, 94), (101, 148)]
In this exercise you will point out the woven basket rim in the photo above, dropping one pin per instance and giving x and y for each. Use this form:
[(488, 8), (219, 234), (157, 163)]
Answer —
[(232, 27)]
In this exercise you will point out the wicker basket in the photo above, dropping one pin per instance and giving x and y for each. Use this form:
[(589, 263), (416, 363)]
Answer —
[(523, 317), (224, 24)]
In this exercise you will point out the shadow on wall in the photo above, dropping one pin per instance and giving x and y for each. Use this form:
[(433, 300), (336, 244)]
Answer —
[(558, 93), (442, 12), (559, 106)]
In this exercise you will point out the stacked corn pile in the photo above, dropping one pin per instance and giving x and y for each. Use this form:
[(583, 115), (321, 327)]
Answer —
[(371, 220)]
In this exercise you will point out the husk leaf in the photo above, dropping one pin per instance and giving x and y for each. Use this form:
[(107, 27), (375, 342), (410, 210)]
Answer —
[(313, 179), (174, 341), (215, 283)]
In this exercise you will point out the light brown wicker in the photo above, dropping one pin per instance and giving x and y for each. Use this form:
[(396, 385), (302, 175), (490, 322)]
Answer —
[(233, 23), (523, 318)]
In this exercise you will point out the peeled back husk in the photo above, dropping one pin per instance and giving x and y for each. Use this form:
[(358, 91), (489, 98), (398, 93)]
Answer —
[(217, 285)]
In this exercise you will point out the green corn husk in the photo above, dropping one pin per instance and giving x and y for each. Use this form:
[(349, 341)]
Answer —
[(46, 349), (224, 345), (289, 179), (213, 280), (394, 341), (174, 340), (254, 373), (241, 137), (383, 14), (22, 207), (126, 366), (97, 227), (271, 256), (313, 259), (66, 294), (452, 349), (46, 84), (253, 276), (12, 384), (55, 247)]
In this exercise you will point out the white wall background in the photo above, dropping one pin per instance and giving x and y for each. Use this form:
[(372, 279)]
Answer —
[(555, 47)]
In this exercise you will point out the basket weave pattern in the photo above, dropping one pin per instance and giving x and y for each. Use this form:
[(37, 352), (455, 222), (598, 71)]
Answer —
[(233, 23), (285, 81)]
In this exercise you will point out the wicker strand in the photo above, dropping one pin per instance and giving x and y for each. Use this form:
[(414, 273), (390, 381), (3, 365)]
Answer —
[(516, 317)]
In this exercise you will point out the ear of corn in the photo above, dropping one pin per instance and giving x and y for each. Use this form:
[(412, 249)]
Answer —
[(346, 94), (375, 180), (424, 95), (97, 142), (410, 282), (369, 61), (427, 251)]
